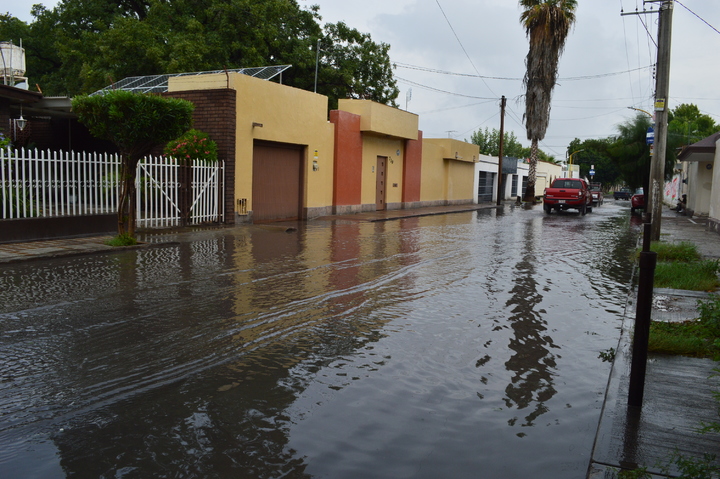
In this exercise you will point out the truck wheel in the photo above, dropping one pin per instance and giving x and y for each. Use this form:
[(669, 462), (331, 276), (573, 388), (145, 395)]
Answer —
[(548, 209), (632, 211), (583, 210)]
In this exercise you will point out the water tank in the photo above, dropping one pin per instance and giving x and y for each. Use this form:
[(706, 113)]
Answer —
[(12, 63)]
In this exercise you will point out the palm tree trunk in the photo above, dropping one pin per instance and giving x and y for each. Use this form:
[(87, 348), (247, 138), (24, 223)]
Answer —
[(532, 173)]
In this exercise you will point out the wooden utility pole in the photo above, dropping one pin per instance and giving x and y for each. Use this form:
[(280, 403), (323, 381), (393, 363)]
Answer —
[(654, 197), (662, 89), (500, 151)]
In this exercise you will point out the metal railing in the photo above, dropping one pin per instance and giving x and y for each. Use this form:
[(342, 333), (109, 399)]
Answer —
[(36, 184)]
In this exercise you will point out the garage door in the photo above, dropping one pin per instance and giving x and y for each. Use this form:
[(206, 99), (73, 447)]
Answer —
[(277, 180)]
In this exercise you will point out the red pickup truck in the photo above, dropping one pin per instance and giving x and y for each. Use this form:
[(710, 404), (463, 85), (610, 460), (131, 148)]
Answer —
[(568, 193)]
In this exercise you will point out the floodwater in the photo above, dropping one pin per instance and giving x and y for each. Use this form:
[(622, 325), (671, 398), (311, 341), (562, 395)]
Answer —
[(464, 345)]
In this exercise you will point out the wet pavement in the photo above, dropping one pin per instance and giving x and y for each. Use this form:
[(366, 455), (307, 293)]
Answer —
[(679, 395), (429, 346)]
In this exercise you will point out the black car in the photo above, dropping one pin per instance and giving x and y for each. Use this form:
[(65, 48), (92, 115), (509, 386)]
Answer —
[(622, 194)]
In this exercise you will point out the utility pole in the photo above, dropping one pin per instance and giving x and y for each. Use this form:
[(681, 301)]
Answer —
[(503, 100), (662, 89), (654, 197)]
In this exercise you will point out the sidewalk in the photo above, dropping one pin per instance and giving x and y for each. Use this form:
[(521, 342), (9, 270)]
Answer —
[(13, 252), (678, 394)]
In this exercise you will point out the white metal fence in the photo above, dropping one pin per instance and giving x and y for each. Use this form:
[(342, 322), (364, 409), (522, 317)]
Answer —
[(36, 184)]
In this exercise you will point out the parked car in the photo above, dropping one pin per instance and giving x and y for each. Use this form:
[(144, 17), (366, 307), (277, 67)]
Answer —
[(597, 194), (637, 202), (622, 194), (568, 193)]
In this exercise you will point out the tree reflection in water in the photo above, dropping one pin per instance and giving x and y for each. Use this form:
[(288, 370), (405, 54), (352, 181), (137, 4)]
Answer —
[(532, 362)]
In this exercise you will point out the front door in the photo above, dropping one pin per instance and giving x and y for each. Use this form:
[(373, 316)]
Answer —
[(380, 182)]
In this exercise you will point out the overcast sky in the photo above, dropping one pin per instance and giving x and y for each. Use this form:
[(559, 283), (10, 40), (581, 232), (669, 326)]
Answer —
[(442, 48)]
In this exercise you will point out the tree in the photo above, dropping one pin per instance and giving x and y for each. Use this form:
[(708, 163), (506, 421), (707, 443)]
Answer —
[(135, 124), (595, 153), (489, 142), (686, 125), (631, 153), (88, 44), (547, 24)]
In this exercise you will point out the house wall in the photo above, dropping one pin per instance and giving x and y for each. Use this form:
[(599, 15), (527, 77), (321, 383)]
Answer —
[(365, 130), (448, 172), (215, 115), (268, 111), (699, 186)]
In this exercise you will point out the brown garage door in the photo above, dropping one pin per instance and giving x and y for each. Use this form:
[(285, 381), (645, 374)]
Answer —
[(277, 179)]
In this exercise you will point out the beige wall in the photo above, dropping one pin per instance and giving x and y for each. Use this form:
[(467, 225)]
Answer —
[(287, 115), (700, 186), (448, 171), (394, 150), (546, 172), (382, 119)]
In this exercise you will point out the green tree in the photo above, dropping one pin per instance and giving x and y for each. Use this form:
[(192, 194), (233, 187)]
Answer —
[(547, 24), (686, 125), (135, 124), (489, 142), (594, 152), (87, 44), (631, 153)]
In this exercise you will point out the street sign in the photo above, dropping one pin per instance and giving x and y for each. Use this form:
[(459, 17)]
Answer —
[(650, 136), (592, 172)]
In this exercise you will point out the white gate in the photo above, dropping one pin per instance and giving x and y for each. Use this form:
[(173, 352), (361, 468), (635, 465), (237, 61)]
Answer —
[(37, 184), (169, 194)]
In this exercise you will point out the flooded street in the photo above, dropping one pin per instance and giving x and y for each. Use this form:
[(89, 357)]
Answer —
[(461, 346)]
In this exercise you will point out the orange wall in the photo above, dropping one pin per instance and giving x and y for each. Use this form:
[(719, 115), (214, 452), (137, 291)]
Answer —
[(347, 184), (412, 170)]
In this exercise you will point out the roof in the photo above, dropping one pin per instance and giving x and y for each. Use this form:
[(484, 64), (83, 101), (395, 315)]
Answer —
[(159, 83), (699, 151)]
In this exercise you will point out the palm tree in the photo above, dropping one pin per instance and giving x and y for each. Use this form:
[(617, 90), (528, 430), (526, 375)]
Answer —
[(547, 24)]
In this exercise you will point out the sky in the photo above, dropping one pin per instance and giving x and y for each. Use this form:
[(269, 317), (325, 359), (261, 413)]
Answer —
[(456, 58)]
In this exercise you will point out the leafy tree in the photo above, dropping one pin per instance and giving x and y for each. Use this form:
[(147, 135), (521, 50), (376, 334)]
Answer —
[(686, 125), (81, 46), (489, 142), (547, 24), (594, 152), (631, 153), (135, 124)]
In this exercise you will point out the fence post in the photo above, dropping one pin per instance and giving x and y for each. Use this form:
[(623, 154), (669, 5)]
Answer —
[(185, 193), (643, 314)]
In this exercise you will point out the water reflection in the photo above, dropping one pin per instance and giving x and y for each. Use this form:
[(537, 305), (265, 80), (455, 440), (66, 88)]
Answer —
[(256, 352), (532, 362)]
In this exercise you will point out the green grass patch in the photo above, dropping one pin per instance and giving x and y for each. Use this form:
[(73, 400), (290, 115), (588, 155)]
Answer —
[(693, 276), (695, 338), (121, 240), (683, 251)]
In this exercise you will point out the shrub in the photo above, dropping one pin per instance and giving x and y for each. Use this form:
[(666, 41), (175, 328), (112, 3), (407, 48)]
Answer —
[(192, 145)]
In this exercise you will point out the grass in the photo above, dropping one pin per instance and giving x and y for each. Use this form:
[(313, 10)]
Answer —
[(121, 240), (693, 276), (695, 338), (680, 266), (682, 251)]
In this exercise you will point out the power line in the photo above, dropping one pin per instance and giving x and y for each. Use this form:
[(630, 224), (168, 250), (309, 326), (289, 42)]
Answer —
[(463, 48), (701, 19), (583, 77), (442, 91)]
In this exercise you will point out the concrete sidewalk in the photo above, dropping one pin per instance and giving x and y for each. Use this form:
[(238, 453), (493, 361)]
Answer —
[(678, 396)]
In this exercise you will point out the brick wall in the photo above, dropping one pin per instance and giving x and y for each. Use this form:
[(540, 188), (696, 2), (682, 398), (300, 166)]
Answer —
[(215, 115)]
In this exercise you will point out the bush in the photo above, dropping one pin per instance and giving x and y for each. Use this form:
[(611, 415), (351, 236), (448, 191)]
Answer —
[(192, 145)]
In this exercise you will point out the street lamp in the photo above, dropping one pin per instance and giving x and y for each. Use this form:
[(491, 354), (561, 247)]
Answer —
[(570, 160)]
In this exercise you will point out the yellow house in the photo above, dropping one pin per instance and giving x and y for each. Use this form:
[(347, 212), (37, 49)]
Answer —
[(287, 161), (283, 146)]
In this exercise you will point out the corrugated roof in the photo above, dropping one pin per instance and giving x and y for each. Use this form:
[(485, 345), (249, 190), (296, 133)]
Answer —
[(159, 83)]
